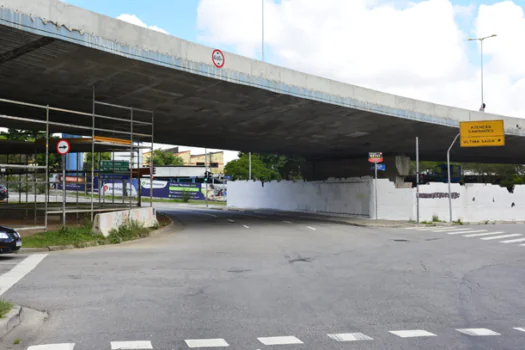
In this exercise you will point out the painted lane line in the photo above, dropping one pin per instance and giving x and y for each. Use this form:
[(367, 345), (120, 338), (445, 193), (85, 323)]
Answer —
[(418, 228), (286, 340), (128, 345), (64, 346), (483, 234), (311, 228), (207, 343), (453, 229), (460, 232), (246, 226), (521, 329), (350, 337), (215, 216), (514, 240), (8, 279), (475, 332), (504, 236), (230, 220), (413, 333), (287, 222)]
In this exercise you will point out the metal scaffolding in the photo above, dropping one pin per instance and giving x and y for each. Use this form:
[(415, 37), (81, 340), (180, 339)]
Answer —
[(106, 133)]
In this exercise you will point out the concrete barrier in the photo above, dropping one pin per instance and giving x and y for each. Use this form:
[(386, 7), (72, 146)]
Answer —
[(105, 222)]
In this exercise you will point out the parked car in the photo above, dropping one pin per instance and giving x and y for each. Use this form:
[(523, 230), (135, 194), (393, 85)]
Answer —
[(10, 240), (4, 194)]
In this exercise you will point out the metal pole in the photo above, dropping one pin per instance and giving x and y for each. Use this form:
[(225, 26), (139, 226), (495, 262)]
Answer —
[(375, 186), (130, 194), (262, 42), (63, 191), (151, 162), (99, 180), (46, 199), (482, 97), (417, 178), (249, 165), (206, 177), (93, 156), (448, 170), (78, 167)]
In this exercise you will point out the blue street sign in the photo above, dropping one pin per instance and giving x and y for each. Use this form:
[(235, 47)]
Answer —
[(380, 167)]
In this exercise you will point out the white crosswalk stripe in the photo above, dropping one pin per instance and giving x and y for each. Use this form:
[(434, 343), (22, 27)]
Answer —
[(207, 343), (514, 240), (501, 237), (285, 340), (477, 332), (413, 333), (349, 337), (483, 234), (521, 329), (461, 232), (131, 345), (66, 346)]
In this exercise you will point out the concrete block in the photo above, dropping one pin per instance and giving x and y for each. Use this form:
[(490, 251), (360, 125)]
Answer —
[(105, 222)]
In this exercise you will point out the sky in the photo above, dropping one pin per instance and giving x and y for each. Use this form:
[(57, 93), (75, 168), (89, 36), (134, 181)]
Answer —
[(416, 49)]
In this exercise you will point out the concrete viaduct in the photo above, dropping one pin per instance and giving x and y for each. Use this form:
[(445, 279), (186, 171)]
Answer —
[(53, 53)]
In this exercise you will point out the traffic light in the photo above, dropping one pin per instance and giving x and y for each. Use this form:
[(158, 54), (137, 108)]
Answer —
[(207, 176)]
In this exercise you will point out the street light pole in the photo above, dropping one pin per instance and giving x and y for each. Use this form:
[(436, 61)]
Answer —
[(262, 30), (481, 40)]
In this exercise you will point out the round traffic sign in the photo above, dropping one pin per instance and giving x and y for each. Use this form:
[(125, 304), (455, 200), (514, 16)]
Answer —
[(218, 58), (63, 147)]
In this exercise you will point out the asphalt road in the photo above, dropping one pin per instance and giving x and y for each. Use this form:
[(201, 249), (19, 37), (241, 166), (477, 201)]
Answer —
[(240, 276)]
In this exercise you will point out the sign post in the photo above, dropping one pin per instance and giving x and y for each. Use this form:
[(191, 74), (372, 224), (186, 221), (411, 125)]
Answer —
[(375, 157), (417, 179), (63, 148)]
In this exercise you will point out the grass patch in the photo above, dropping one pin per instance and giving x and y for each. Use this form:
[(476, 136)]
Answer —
[(127, 232), (5, 307), (65, 236), (16, 341)]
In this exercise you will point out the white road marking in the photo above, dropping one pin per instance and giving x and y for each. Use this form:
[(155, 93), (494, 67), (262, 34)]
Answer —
[(128, 345), (215, 216), (458, 232), (453, 229), (514, 240), (246, 226), (483, 234), (521, 329), (8, 279), (206, 343), (311, 228), (349, 336), (230, 220), (64, 346), (503, 236), (287, 222), (419, 228), (286, 340), (412, 333), (477, 331)]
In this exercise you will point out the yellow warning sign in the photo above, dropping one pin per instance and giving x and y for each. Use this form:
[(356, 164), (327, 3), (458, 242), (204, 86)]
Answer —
[(485, 133)]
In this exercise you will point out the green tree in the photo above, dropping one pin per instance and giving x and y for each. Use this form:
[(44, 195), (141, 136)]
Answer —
[(238, 169), (288, 167), (161, 158)]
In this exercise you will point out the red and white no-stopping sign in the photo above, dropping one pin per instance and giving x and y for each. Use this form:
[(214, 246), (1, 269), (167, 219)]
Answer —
[(218, 58), (63, 147)]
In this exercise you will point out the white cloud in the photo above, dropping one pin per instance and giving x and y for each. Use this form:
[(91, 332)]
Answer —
[(133, 19), (413, 49)]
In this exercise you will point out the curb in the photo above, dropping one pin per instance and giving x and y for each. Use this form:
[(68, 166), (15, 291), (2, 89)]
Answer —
[(10, 321), (55, 248)]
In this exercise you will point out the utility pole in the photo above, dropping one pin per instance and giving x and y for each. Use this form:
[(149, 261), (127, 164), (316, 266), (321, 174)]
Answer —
[(481, 40)]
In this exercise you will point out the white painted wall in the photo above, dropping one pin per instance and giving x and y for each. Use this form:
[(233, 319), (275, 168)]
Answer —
[(345, 196), (476, 202)]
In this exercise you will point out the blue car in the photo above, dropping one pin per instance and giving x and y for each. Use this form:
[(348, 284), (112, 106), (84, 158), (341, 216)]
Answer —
[(10, 240), (4, 194)]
